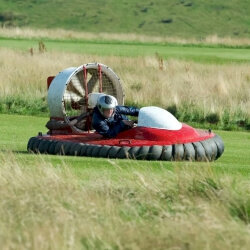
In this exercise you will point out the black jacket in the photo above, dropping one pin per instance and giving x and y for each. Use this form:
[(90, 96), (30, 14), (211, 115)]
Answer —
[(110, 127)]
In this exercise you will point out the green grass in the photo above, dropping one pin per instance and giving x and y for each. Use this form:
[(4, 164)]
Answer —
[(27, 105), (112, 48), (61, 202), (16, 131), (24, 105), (55, 202), (183, 18)]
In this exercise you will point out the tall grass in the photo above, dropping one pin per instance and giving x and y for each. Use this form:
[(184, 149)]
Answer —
[(192, 91), (44, 207), (18, 32)]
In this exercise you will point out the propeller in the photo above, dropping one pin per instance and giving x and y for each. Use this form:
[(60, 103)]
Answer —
[(76, 86), (74, 98), (75, 93)]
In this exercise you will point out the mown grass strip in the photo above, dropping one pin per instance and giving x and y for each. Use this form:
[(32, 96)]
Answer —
[(16, 131), (199, 54)]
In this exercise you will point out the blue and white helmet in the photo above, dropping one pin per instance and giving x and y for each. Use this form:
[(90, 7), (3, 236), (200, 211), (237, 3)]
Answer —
[(106, 102)]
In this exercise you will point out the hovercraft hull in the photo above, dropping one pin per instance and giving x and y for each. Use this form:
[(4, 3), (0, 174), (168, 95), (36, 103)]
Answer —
[(137, 143)]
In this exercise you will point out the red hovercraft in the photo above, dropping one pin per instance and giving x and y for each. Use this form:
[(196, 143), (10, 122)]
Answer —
[(73, 94)]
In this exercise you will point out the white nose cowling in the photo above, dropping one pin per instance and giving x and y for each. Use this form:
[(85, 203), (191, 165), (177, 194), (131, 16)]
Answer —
[(154, 117)]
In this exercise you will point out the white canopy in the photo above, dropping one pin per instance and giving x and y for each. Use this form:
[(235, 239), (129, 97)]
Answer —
[(154, 117)]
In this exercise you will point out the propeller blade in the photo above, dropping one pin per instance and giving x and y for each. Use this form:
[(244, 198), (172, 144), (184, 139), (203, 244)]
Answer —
[(70, 96), (93, 75), (76, 86), (93, 82)]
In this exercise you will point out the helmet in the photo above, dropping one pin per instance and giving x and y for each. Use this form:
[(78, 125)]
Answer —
[(106, 102)]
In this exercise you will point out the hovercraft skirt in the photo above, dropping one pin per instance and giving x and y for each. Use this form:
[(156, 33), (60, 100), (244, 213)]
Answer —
[(206, 150)]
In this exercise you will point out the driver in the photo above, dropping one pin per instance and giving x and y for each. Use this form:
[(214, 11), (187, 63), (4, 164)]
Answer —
[(109, 119)]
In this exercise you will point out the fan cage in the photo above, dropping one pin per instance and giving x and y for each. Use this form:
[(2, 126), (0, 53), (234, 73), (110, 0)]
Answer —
[(99, 78)]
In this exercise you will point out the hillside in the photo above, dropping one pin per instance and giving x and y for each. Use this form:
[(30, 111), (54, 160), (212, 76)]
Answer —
[(175, 18)]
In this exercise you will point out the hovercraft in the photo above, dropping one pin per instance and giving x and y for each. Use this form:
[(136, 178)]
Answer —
[(72, 95)]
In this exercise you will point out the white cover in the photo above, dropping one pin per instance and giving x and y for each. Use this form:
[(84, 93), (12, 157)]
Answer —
[(56, 92), (154, 117)]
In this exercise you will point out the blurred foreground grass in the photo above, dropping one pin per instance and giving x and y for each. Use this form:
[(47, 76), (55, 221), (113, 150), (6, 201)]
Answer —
[(86, 203)]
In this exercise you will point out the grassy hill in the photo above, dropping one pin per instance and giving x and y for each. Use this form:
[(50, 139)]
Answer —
[(175, 18)]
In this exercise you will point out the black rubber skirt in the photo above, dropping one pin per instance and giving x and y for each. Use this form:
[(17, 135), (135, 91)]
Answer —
[(207, 150)]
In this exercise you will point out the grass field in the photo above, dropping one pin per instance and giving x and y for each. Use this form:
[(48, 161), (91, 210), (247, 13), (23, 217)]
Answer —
[(134, 49), (198, 84), (175, 18), (190, 57), (70, 35), (16, 131), (85, 203)]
